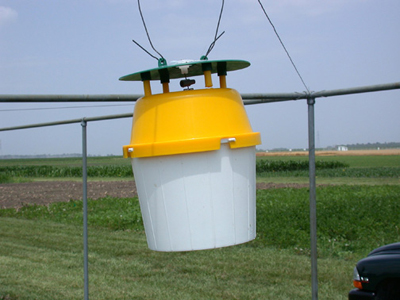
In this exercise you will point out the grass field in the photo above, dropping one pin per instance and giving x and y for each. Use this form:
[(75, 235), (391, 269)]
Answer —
[(67, 161), (354, 161), (43, 260), (41, 246)]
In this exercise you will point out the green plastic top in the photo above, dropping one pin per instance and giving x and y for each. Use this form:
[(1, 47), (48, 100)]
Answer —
[(186, 68)]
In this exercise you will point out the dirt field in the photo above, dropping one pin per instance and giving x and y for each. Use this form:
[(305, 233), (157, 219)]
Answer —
[(334, 153), (45, 192)]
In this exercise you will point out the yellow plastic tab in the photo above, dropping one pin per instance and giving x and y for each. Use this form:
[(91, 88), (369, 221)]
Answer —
[(222, 81), (207, 78), (189, 121), (147, 88)]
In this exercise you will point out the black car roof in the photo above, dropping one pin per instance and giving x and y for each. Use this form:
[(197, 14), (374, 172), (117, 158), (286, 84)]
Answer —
[(387, 249)]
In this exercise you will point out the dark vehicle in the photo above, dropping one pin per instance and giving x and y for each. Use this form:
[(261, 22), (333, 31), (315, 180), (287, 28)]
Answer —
[(378, 275)]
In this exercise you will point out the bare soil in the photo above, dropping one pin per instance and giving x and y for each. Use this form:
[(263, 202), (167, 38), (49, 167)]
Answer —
[(15, 195), (45, 192)]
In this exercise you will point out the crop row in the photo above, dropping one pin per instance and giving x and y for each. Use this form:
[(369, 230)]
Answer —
[(263, 169), (379, 172), (264, 165), (52, 172), (126, 170)]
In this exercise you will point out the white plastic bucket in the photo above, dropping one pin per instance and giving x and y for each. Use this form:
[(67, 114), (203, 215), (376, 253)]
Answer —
[(198, 200)]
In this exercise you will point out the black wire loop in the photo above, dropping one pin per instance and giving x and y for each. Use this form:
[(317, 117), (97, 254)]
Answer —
[(148, 36), (216, 37)]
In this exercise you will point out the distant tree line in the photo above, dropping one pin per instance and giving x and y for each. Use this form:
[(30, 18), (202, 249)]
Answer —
[(357, 146), (391, 145), (12, 156)]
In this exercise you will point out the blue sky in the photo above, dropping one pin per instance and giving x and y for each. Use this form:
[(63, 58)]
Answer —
[(83, 47)]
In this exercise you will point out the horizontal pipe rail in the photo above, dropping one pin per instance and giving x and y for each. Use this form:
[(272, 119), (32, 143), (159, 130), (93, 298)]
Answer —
[(357, 90), (90, 119), (128, 98), (248, 98), (67, 98)]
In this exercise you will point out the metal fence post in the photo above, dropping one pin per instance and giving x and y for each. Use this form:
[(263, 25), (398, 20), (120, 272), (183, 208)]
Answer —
[(313, 202), (85, 229)]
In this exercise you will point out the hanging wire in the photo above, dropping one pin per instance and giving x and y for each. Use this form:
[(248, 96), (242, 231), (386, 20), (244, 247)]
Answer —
[(148, 36), (144, 49), (287, 53), (216, 37)]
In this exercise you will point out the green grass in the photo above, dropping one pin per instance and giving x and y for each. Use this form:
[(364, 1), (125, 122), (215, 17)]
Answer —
[(365, 170), (45, 171), (41, 246), (265, 165), (41, 250), (330, 181), (353, 161), (265, 168), (112, 213), (380, 172), (351, 219), (43, 260), (67, 161), (282, 217)]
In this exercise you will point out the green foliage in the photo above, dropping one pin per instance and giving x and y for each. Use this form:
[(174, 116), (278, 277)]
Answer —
[(362, 172), (381, 172), (264, 165), (356, 167), (66, 161), (5, 178), (66, 171), (351, 219), (361, 161), (7, 296), (324, 168), (113, 213), (43, 260)]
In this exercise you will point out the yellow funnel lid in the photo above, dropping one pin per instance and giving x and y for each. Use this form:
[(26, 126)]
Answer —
[(189, 121)]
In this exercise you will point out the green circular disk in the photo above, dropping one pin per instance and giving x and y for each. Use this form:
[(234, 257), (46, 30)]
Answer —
[(196, 68)]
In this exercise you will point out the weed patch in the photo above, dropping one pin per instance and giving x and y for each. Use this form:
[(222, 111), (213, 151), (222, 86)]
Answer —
[(46, 171), (264, 165), (379, 172), (351, 219)]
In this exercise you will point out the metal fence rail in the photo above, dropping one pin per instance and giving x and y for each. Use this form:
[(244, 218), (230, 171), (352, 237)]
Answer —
[(247, 100), (90, 119)]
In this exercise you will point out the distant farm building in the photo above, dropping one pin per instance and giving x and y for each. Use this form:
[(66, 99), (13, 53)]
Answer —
[(342, 148)]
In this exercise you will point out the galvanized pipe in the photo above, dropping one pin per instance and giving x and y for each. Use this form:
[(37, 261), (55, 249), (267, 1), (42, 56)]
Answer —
[(265, 100), (357, 90), (67, 98), (101, 118), (312, 197), (274, 96), (258, 97), (85, 210)]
